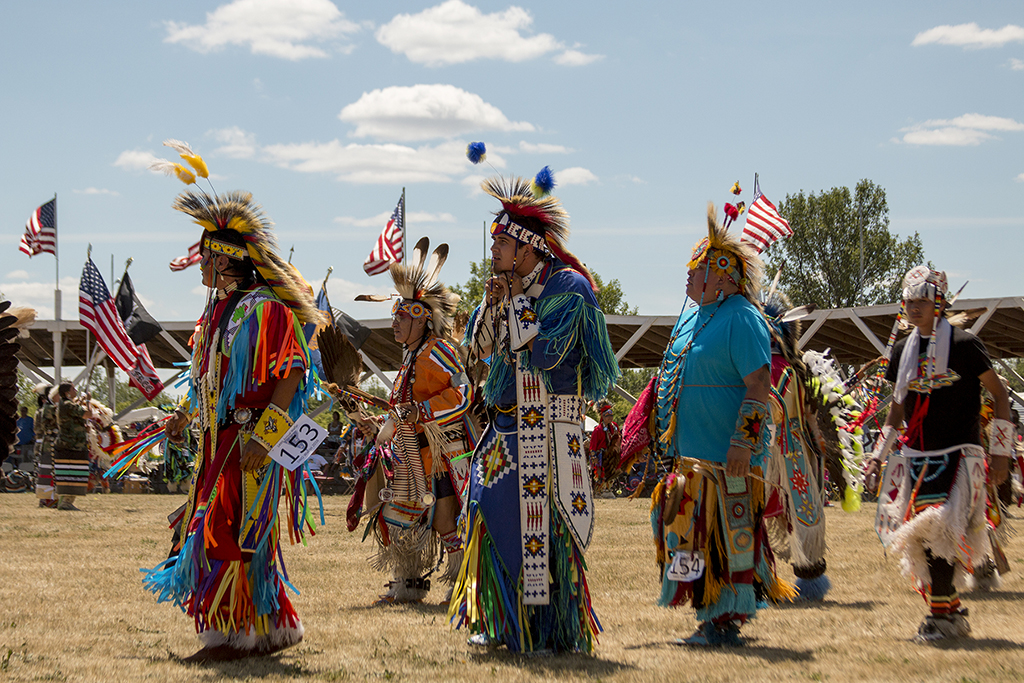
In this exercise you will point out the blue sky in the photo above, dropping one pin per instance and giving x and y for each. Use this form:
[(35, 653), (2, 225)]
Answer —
[(645, 111)]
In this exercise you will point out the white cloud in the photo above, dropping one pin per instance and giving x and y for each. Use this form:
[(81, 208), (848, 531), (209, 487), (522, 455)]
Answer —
[(235, 142), (1017, 64), (39, 295), (381, 219), (386, 163), (343, 293), (423, 112), (17, 275), (954, 137), (542, 148), (96, 190), (576, 58), (289, 29), (574, 176), (136, 160), (454, 33), (970, 36), (1020, 179), (966, 130)]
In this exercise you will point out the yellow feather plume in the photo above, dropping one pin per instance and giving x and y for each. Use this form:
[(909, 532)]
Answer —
[(197, 164), (170, 168), (193, 159), (184, 175)]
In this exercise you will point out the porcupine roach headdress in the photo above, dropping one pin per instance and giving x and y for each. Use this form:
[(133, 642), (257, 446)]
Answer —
[(422, 293), (726, 254), (532, 216), (237, 212)]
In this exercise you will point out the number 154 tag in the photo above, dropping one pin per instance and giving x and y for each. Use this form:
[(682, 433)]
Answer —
[(687, 565), (298, 443)]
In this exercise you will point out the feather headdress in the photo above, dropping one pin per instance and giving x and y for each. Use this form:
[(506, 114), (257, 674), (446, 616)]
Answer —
[(417, 281), (236, 211), (533, 217), (725, 254)]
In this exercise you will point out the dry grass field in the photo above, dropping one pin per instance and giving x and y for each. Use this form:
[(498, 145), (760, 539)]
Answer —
[(72, 608)]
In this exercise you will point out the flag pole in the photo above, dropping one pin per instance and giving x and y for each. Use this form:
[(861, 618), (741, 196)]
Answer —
[(405, 229), (56, 263)]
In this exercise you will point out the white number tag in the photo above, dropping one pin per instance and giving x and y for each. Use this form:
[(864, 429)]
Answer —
[(687, 565), (298, 443)]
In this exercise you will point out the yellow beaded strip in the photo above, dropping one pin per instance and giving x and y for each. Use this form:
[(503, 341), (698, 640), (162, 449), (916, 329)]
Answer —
[(272, 426)]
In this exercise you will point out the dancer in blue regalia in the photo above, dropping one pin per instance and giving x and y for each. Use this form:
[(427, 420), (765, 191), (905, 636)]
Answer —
[(530, 513)]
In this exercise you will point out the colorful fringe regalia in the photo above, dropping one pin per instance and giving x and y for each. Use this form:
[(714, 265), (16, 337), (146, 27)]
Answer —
[(421, 471), (523, 581), (229, 575), (46, 428), (699, 399), (795, 514)]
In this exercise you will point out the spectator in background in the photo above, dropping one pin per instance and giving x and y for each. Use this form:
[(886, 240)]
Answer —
[(26, 437), (71, 450)]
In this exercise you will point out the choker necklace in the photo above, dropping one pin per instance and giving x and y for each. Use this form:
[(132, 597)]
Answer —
[(224, 293)]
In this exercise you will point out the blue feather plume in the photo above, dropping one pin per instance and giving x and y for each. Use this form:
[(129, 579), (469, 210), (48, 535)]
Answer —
[(476, 152), (543, 182)]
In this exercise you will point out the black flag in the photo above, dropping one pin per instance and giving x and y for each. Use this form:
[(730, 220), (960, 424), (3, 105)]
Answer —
[(138, 323), (356, 332)]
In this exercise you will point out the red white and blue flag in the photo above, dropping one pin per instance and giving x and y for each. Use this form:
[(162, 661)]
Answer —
[(764, 224), (190, 259), (390, 245), (97, 314), (41, 231)]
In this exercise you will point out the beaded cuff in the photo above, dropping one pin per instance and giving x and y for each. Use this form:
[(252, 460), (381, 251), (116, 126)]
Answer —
[(749, 425), (272, 425)]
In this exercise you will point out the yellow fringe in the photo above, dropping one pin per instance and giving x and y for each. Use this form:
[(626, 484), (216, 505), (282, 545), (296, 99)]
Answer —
[(667, 435)]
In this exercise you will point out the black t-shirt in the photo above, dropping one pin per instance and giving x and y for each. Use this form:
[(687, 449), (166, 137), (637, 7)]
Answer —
[(954, 412)]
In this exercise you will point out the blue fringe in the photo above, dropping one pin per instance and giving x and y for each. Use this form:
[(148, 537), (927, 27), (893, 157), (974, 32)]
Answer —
[(568, 320), (813, 590)]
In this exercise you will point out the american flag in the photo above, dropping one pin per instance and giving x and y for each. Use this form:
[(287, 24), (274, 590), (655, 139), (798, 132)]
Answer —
[(41, 231), (389, 248), (97, 314), (190, 259), (764, 224)]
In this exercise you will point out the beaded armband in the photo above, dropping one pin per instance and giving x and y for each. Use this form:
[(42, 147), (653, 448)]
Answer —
[(749, 425), (1001, 437), (272, 425)]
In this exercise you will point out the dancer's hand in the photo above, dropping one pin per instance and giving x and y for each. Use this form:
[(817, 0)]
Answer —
[(737, 462), (871, 471), (497, 289), (253, 455), (175, 426)]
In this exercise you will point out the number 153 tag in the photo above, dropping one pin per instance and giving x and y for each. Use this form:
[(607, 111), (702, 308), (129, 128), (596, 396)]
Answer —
[(298, 443), (687, 565)]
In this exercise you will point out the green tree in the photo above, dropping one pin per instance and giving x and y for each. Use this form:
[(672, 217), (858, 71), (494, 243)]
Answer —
[(472, 292), (611, 298), (823, 257)]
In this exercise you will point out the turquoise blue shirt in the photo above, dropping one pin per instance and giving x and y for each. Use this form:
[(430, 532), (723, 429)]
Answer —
[(733, 344)]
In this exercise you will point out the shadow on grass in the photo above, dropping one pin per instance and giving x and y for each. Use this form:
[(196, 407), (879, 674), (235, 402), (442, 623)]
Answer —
[(752, 649), (977, 644), (994, 596), (552, 666), (866, 605), (248, 668)]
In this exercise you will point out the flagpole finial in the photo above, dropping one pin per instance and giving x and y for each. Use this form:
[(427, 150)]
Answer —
[(128, 262), (88, 252)]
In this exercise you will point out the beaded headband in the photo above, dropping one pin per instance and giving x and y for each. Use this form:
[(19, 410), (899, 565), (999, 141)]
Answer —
[(503, 224), (230, 250), (723, 263), (412, 308)]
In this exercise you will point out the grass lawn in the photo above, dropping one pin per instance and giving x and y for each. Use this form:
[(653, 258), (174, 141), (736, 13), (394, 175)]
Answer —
[(72, 608)]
